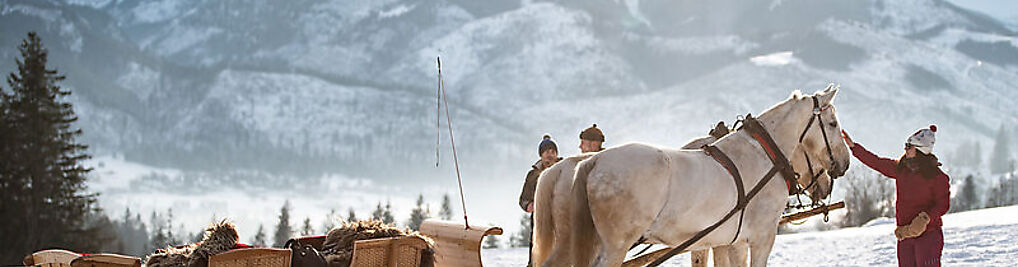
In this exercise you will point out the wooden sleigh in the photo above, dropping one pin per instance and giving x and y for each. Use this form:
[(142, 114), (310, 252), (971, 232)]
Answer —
[(381, 252), (455, 244), (64, 258)]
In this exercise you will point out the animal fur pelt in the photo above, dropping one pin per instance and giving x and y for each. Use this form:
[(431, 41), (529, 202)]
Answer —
[(338, 245), (219, 237)]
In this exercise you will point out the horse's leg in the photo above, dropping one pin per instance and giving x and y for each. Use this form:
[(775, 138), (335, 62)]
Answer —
[(583, 236), (737, 254), (698, 258), (760, 248), (611, 256), (722, 255)]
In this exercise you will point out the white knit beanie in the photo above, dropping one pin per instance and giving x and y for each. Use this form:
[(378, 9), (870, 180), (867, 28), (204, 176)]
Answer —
[(923, 139)]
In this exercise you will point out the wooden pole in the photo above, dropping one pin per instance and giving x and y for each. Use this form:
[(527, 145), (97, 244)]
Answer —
[(810, 213)]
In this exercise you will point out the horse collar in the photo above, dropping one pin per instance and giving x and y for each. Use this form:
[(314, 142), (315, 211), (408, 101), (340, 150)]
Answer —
[(756, 130)]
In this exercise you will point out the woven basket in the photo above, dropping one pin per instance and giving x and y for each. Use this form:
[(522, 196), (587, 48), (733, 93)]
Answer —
[(389, 252), (268, 257)]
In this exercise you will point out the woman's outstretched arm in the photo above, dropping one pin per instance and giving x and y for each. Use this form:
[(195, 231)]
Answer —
[(885, 166)]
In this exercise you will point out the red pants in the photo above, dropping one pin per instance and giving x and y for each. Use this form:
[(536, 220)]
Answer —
[(923, 250)]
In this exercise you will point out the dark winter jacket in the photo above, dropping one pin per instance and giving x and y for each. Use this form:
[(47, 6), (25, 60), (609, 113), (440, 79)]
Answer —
[(914, 192), (530, 186)]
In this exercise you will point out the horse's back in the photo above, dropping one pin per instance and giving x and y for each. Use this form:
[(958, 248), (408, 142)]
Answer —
[(628, 181)]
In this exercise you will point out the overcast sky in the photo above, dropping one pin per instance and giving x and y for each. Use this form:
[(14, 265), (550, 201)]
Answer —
[(1006, 10)]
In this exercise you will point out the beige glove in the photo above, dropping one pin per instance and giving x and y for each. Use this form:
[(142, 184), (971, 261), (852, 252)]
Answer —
[(914, 229)]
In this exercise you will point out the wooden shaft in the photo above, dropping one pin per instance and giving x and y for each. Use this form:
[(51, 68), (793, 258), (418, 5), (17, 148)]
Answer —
[(809, 213)]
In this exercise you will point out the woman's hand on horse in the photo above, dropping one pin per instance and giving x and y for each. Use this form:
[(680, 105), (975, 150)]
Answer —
[(848, 140)]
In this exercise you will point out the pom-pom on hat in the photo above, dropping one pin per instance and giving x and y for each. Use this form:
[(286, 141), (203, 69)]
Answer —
[(923, 139), (546, 144), (592, 134)]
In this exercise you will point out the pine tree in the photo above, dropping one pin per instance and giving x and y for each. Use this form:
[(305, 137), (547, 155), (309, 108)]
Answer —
[(522, 238), (259, 238), (378, 213), (351, 217), (1000, 161), (446, 212), (387, 215), (306, 229), (283, 229), (968, 193), (330, 221), (418, 214), (159, 239), (141, 237), (171, 239), (42, 194), (491, 242)]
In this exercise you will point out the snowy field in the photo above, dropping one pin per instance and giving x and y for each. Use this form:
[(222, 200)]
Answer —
[(987, 237)]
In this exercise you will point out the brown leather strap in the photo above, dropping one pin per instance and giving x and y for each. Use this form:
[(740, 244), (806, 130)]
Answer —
[(759, 133), (729, 165)]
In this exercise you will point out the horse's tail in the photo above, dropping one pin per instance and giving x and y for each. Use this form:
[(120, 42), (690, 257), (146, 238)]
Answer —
[(584, 236), (544, 224)]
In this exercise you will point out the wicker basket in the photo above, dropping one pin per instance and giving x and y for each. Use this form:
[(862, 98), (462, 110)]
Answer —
[(389, 252), (268, 257), (404, 251)]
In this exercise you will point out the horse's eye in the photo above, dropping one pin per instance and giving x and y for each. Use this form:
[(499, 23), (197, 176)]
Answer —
[(833, 124)]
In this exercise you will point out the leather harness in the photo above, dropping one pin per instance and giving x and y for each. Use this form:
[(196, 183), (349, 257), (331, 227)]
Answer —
[(781, 165)]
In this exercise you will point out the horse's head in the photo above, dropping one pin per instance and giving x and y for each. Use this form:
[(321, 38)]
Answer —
[(821, 140), (812, 176)]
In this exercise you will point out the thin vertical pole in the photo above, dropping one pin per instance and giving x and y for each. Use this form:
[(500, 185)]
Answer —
[(452, 141)]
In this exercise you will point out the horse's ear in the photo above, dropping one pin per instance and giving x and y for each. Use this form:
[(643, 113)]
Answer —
[(796, 95), (827, 95)]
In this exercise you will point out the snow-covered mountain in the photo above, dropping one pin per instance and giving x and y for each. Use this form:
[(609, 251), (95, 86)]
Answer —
[(316, 86)]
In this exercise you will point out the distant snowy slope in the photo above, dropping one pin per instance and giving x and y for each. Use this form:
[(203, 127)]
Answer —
[(318, 86), (974, 238)]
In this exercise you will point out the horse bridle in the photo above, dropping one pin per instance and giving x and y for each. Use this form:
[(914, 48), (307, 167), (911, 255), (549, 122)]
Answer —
[(817, 111)]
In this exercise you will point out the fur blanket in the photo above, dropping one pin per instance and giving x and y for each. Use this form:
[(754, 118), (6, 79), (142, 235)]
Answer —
[(219, 237), (338, 245)]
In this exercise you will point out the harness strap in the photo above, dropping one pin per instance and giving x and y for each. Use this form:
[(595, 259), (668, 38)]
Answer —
[(689, 242), (757, 131), (729, 165), (780, 165)]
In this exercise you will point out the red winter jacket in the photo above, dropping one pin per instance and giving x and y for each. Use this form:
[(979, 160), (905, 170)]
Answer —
[(914, 192)]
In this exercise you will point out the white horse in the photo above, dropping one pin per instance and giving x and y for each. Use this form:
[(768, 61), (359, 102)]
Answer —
[(813, 179), (668, 196), (553, 209)]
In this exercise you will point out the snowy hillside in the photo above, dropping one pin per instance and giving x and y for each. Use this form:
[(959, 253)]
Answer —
[(261, 99), (163, 80), (975, 238)]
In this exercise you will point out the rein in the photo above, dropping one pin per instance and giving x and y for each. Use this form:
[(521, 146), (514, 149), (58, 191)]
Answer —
[(781, 165)]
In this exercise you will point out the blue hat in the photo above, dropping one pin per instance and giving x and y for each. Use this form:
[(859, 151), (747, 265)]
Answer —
[(546, 143)]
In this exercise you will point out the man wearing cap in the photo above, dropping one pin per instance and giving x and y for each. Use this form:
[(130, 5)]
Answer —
[(923, 195), (548, 152), (591, 139)]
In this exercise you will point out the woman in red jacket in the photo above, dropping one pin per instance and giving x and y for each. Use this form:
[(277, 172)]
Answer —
[(923, 196)]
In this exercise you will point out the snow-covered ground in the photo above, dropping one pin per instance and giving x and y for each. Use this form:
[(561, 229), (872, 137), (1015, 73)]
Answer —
[(984, 237)]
